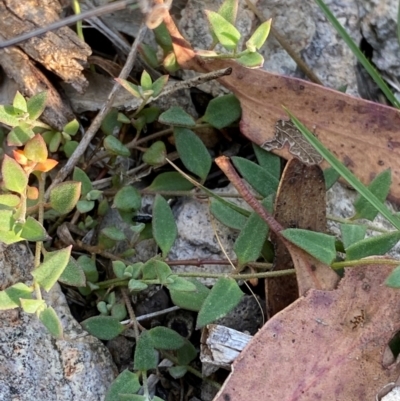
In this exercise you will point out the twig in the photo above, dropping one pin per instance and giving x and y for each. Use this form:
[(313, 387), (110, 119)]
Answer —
[(225, 165), (107, 8), (96, 123)]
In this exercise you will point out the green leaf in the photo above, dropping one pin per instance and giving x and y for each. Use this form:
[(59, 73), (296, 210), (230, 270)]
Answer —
[(372, 246), (258, 177), (70, 148), (164, 226), (15, 178), (223, 111), (146, 81), (48, 272), (131, 88), (380, 187), (180, 284), (331, 176), (177, 372), (125, 383), (110, 123), (156, 269), (118, 268), (226, 215), (251, 239), (64, 196), (345, 172), (71, 128), (115, 146), (84, 206), (165, 338), (159, 85), (228, 10), (136, 285), (251, 60), (89, 268), (35, 149), (6, 220), (32, 230), (19, 135), (127, 199), (32, 305), (223, 297), (8, 116), (226, 33), (53, 140), (187, 353), (392, 281), (19, 102), (155, 154), (146, 357), (12, 201), (259, 36), (52, 322), (36, 105), (10, 297), (190, 300), (192, 151), (73, 274), (169, 181), (103, 327), (176, 116), (80, 176), (119, 311), (268, 161), (163, 38), (113, 233), (150, 114), (9, 237), (149, 55), (319, 245), (352, 233)]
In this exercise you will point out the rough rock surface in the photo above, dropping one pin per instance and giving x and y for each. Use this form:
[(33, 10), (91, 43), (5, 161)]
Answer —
[(35, 366)]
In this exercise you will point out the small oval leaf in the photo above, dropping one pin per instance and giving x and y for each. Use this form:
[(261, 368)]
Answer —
[(176, 116), (65, 196), (146, 357), (165, 338), (190, 300), (192, 151), (372, 246), (115, 146), (223, 111), (15, 178), (164, 226), (125, 383), (52, 322), (319, 245), (127, 199), (103, 327), (223, 297), (170, 181), (48, 272)]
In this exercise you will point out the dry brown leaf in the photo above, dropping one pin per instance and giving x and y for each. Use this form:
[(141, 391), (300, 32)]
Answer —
[(300, 203), (362, 134), (328, 345)]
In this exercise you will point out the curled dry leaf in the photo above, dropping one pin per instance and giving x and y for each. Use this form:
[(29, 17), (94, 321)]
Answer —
[(362, 134), (300, 203), (328, 345)]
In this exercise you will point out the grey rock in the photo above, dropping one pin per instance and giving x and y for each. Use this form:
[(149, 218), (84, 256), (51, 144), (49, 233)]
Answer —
[(34, 365)]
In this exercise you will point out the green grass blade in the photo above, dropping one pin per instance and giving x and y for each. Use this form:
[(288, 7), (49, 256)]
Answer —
[(345, 172), (358, 53)]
